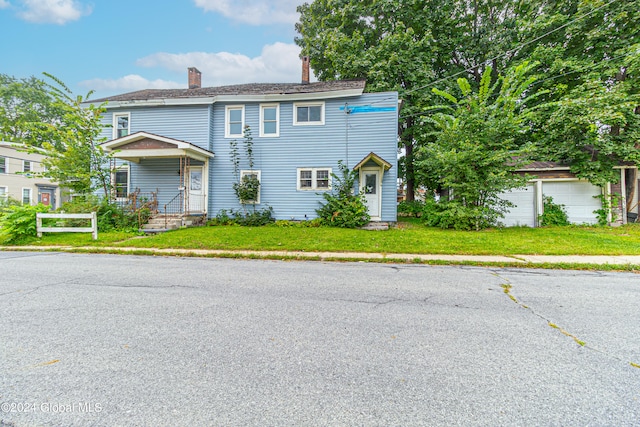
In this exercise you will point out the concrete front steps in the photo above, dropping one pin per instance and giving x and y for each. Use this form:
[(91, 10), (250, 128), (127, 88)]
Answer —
[(158, 224)]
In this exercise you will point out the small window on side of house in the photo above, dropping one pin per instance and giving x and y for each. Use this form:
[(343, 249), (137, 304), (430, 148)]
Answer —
[(318, 179), (26, 166), (308, 113), (269, 120), (3, 165), (121, 183), (234, 121), (26, 196), (121, 125)]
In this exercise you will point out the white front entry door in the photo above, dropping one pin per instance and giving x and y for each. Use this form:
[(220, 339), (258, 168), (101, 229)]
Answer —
[(195, 186), (370, 187)]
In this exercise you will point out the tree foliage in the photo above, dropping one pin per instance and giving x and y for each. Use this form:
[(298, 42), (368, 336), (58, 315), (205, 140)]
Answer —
[(74, 157), (478, 146)]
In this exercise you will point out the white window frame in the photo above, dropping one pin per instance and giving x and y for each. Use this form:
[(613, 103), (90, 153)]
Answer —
[(24, 166), (30, 190), (6, 164), (227, 122), (113, 180), (262, 108), (5, 195), (297, 105), (253, 172), (115, 124), (314, 179)]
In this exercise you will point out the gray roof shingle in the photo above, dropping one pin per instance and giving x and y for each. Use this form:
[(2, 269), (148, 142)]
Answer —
[(241, 89)]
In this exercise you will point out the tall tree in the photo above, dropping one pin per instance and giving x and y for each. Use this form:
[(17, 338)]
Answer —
[(23, 102), (72, 144), (478, 146)]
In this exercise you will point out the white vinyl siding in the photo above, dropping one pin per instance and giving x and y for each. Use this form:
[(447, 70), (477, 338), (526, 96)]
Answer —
[(234, 121), (314, 179), (308, 113), (269, 120)]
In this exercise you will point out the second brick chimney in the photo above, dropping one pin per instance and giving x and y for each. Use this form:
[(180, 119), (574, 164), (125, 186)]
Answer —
[(195, 78), (305, 70)]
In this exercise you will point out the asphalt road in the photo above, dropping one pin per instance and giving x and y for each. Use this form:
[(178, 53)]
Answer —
[(108, 340)]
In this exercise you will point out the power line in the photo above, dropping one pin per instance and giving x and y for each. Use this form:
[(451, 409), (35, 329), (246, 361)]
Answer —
[(509, 51)]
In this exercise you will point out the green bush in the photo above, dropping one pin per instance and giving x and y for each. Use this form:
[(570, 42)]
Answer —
[(255, 218), (413, 208), (19, 221), (458, 216), (554, 214), (343, 208), (111, 216)]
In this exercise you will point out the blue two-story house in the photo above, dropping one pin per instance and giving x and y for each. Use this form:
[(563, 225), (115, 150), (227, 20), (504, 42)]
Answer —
[(176, 143)]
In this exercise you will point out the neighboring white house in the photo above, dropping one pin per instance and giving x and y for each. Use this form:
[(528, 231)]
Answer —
[(18, 179)]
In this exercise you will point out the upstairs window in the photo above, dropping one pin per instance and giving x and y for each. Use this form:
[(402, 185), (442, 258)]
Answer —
[(234, 121), (121, 125), (3, 165), (269, 120), (308, 113), (318, 179), (26, 166)]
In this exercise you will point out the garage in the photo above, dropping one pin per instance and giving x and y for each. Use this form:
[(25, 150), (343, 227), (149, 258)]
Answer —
[(580, 200)]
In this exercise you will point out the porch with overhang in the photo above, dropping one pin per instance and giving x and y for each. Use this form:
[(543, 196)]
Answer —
[(143, 150)]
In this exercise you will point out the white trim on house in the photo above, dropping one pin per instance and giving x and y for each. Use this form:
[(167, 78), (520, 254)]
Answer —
[(30, 190), (236, 98), (297, 105), (227, 121), (314, 179), (115, 124), (258, 174), (182, 148), (276, 134)]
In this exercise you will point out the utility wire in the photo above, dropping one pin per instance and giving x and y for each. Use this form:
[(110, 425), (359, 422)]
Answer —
[(509, 51)]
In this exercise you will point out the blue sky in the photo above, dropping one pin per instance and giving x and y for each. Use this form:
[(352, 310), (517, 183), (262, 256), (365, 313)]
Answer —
[(117, 46)]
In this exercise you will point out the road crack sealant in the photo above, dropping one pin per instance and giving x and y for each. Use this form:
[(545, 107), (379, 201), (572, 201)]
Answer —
[(508, 287)]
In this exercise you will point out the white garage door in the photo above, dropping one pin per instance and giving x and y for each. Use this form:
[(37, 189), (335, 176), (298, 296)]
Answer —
[(577, 197), (524, 211)]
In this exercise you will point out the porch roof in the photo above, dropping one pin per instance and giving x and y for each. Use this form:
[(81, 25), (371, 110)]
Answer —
[(145, 145), (376, 159)]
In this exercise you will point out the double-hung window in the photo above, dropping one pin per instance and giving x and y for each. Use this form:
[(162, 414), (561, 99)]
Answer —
[(318, 179), (4, 193), (234, 121), (270, 120), (251, 174), (3, 165), (308, 113), (26, 196), (121, 182), (121, 125), (26, 166)]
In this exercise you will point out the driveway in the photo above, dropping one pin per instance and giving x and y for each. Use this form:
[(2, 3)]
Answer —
[(113, 340)]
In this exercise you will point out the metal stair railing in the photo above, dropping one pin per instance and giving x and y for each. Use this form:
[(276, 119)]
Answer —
[(174, 206)]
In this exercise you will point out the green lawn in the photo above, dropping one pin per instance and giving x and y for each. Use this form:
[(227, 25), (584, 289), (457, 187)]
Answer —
[(408, 237)]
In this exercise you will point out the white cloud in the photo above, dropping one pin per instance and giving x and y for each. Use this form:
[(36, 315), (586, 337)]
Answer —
[(52, 11), (4, 4), (277, 63), (254, 12), (129, 83)]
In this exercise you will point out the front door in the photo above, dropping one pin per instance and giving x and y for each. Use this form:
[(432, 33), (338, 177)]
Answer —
[(370, 186), (195, 186)]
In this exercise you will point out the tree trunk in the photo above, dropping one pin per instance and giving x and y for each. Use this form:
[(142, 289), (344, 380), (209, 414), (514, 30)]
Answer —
[(409, 171)]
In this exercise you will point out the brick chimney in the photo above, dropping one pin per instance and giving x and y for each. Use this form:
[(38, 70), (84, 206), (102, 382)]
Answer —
[(305, 70), (195, 78)]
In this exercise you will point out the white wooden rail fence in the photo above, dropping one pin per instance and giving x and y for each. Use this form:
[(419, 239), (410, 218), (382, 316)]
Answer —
[(92, 216)]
